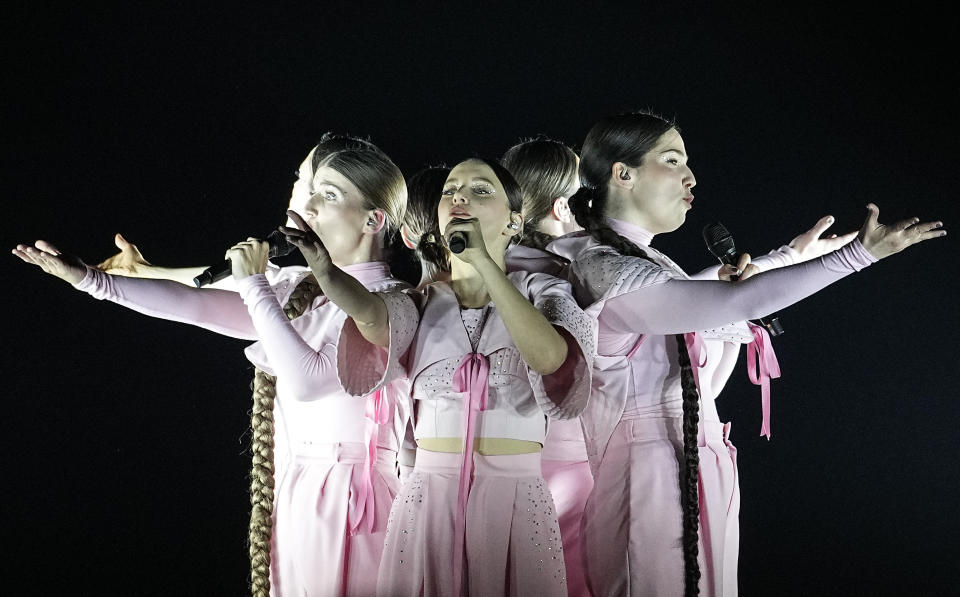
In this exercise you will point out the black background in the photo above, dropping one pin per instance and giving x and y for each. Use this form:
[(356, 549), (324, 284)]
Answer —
[(124, 438)]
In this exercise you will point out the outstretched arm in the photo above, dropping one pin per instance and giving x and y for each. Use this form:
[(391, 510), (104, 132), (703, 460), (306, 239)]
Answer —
[(220, 311), (364, 307), (804, 247), (678, 306), (130, 262)]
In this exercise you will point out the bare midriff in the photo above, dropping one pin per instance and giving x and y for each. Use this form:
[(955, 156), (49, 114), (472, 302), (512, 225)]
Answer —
[(487, 446)]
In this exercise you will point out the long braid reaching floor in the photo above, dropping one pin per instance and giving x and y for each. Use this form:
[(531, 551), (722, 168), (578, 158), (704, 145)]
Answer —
[(262, 479), (587, 206), (689, 471)]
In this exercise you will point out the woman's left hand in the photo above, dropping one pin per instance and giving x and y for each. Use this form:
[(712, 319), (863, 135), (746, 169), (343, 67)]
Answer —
[(248, 258), (810, 245), (476, 249)]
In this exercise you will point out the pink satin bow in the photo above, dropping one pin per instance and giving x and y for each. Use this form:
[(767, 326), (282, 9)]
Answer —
[(761, 368), (362, 510), (471, 377)]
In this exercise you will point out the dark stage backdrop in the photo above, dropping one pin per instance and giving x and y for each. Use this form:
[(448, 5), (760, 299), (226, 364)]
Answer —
[(124, 438)]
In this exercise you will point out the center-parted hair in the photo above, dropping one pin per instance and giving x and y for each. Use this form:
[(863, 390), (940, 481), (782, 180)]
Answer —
[(333, 142), (510, 186), (627, 138), (545, 169), (509, 183)]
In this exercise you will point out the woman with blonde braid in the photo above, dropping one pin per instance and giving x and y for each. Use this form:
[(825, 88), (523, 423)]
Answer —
[(644, 531), (490, 355), (333, 500)]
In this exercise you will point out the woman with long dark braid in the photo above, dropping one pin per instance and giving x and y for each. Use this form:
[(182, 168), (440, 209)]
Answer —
[(547, 171), (648, 437), (332, 502)]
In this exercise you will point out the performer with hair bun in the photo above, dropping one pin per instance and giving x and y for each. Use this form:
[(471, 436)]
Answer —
[(420, 230), (335, 486), (421, 234), (547, 172), (489, 355), (662, 516)]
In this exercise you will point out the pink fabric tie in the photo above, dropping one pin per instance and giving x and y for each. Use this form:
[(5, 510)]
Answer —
[(636, 346), (362, 510), (471, 378), (698, 356), (761, 369)]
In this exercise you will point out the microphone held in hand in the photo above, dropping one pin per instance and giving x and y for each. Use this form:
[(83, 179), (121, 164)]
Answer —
[(457, 241), (720, 242), (279, 247)]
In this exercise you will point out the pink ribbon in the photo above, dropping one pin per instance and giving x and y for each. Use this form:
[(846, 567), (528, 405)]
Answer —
[(698, 360), (362, 510), (698, 356), (636, 346), (761, 369), (471, 378)]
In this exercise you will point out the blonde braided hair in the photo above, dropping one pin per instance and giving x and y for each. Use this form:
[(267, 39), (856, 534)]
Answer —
[(262, 480)]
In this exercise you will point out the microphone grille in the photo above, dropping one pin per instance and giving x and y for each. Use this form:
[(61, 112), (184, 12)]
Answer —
[(715, 233), (279, 246)]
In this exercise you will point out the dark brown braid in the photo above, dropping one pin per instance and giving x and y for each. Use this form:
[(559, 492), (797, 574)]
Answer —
[(535, 239), (689, 486), (262, 480), (588, 205)]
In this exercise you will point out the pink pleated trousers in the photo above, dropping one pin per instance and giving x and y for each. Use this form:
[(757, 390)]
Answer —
[(313, 552), (632, 522), (513, 545)]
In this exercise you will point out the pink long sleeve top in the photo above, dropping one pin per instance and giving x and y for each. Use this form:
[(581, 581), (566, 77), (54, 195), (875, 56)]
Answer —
[(641, 304), (302, 353)]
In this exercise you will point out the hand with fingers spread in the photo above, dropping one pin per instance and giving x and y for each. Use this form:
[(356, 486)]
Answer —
[(476, 249), (810, 245), (309, 243), (128, 262), (881, 240), (51, 260), (248, 258)]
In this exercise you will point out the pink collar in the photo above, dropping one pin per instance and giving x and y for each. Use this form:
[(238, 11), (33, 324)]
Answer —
[(636, 234), (368, 272)]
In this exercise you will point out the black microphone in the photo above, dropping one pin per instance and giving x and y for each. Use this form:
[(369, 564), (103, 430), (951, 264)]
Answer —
[(458, 240), (720, 243), (279, 247)]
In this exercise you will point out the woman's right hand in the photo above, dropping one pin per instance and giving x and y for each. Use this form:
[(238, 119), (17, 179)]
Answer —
[(128, 262), (51, 260), (309, 243), (882, 241)]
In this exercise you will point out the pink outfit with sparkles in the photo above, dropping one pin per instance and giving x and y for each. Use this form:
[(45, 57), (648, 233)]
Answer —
[(632, 525), (470, 380), (335, 453), (564, 457)]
